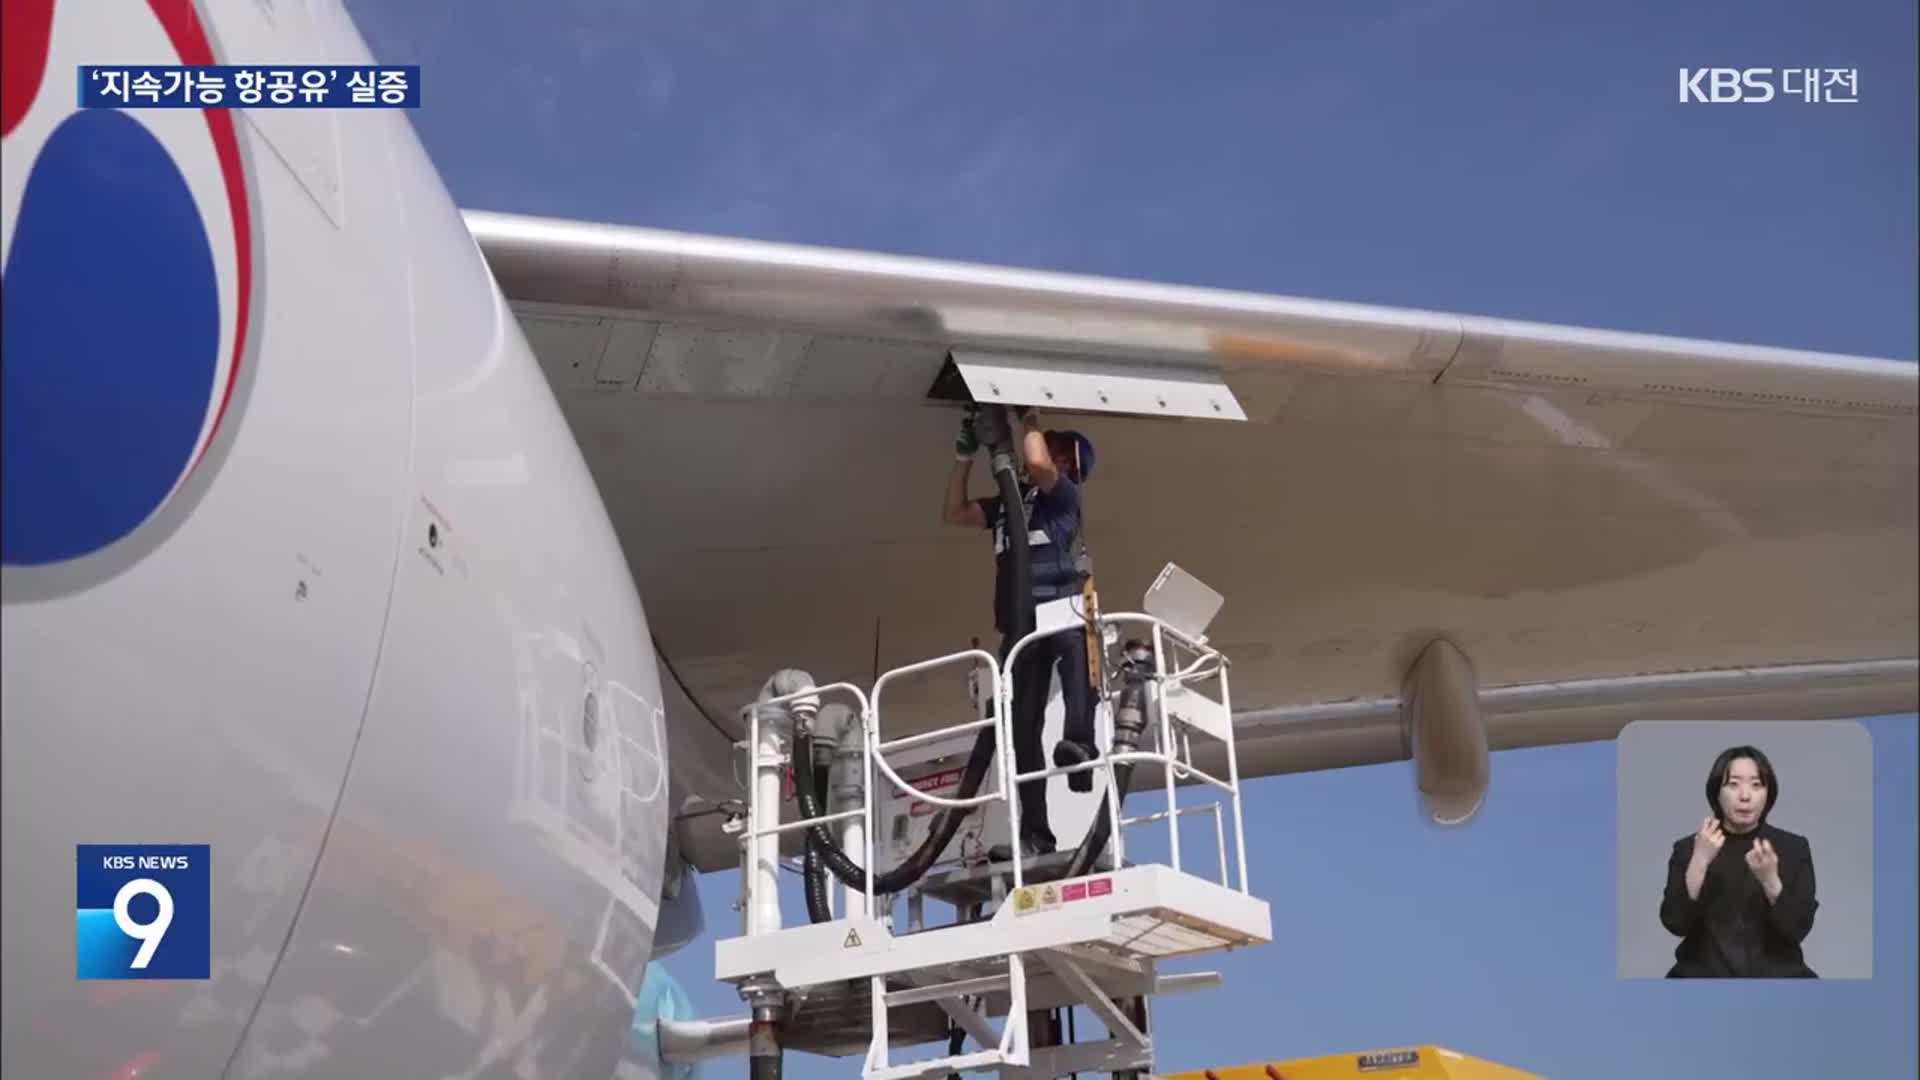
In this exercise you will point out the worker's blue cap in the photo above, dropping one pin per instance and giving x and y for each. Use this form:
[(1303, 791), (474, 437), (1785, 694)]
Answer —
[(1083, 451)]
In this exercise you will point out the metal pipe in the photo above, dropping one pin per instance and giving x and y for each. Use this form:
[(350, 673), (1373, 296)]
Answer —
[(763, 907), (946, 990), (906, 742), (847, 784), (1233, 777), (806, 823), (1156, 695), (764, 1048), (1187, 982), (683, 1041), (775, 716)]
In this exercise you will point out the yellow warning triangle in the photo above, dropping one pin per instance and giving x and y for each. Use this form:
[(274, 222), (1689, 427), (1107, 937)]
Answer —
[(853, 940)]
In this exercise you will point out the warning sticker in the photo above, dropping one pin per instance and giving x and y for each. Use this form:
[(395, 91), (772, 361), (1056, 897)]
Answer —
[(1046, 897), (945, 783), (853, 940), (1081, 890), (937, 783)]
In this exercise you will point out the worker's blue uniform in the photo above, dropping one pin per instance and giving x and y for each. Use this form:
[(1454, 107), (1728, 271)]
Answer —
[(1053, 525)]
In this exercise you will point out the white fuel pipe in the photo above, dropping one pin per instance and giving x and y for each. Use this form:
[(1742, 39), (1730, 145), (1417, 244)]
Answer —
[(847, 781), (772, 752), (683, 1041)]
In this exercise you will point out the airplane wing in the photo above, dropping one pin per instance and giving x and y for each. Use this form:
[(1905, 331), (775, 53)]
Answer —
[(1611, 526)]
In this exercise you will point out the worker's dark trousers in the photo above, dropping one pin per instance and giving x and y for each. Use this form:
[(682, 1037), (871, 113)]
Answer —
[(1066, 653)]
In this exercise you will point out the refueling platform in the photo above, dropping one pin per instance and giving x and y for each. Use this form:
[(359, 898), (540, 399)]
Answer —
[(872, 970)]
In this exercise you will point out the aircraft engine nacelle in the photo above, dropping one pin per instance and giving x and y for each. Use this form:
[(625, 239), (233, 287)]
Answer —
[(1446, 734)]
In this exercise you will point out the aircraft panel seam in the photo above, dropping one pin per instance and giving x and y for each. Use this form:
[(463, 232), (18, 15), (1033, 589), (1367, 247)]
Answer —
[(373, 680), (1459, 342)]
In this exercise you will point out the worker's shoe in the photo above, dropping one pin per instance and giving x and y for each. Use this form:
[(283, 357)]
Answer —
[(1066, 753)]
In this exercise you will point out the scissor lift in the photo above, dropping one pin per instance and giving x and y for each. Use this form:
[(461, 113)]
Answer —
[(1025, 939)]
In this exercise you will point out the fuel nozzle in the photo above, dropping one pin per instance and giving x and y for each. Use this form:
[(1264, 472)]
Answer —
[(1130, 715), (995, 431), (1129, 724)]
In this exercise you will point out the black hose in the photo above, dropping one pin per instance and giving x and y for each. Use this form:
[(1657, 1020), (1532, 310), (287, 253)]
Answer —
[(1092, 844), (1129, 723), (1020, 608), (956, 1042), (1013, 515), (818, 907)]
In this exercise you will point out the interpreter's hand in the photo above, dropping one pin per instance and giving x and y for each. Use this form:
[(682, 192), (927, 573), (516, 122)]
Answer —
[(1764, 862), (967, 443), (1707, 842)]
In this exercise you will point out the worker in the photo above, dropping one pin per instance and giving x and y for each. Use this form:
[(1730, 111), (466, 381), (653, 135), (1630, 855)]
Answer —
[(1056, 464)]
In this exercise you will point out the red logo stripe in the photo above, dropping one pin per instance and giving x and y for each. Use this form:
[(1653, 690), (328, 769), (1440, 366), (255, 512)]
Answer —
[(182, 24)]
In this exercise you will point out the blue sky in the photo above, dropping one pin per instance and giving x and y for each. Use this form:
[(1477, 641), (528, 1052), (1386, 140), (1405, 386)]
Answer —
[(1514, 159)]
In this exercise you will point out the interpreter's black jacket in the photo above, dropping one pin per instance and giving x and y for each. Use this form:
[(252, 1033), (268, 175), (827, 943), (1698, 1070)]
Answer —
[(1731, 932)]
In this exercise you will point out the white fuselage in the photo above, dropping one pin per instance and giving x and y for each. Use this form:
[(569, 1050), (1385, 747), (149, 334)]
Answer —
[(376, 644)]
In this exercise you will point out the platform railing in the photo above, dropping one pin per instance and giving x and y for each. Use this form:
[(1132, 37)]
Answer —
[(1173, 753), (1175, 765), (751, 832), (1219, 829), (1012, 1047), (877, 747)]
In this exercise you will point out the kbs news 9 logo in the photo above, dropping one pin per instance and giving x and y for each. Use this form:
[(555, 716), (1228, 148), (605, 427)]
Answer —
[(141, 911)]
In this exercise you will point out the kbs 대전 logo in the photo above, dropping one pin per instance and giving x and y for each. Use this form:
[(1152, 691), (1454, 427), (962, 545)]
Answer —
[(142, 911), (1755, 86)]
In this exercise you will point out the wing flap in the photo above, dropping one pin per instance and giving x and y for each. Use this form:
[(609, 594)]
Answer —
[(1075, 384)]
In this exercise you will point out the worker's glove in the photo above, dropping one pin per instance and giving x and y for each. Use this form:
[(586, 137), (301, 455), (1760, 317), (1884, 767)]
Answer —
[(1028, 416), (967, 443)]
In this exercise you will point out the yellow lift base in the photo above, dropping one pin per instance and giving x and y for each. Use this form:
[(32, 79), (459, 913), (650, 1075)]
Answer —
[(1424, 1062)]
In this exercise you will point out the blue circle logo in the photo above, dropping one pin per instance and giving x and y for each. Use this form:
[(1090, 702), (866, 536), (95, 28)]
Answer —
[(126, 290)]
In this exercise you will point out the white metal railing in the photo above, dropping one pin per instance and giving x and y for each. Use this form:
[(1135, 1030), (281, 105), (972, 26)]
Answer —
[(1174, 758), (1219, 828), (1174, 755), (876, 747), (752, 832)]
